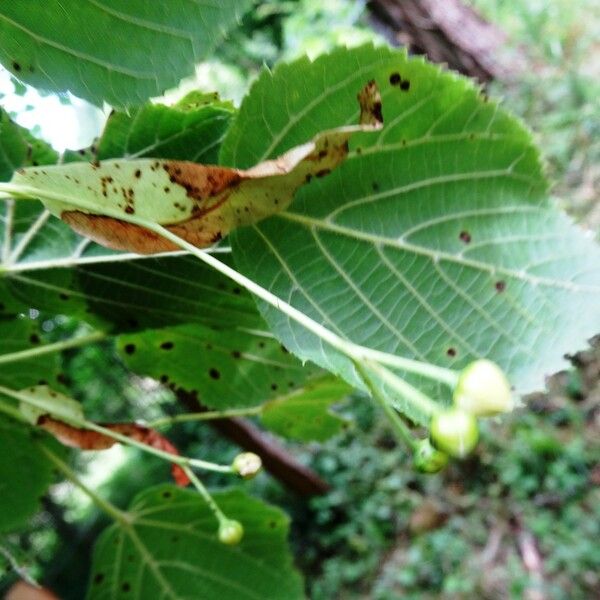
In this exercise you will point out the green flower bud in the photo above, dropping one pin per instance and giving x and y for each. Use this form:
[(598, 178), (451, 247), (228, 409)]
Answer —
[(247, 464), (483, 390), (429, 459), (454, 431), (230, 532)]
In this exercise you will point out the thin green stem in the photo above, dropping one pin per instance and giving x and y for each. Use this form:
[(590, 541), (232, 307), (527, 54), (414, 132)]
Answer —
[(205, 416), (105, 505), (182, 461), (417, 398), (85, 424), (399, 426), (214, 507), (354, 351), (83, 340)]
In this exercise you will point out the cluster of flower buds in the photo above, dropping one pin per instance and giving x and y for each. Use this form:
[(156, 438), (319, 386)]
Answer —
[(482, 391)]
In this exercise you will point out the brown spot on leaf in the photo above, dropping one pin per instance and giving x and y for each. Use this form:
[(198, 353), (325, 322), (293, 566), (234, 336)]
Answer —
[(451, 352), (465, 237), (500, 286)]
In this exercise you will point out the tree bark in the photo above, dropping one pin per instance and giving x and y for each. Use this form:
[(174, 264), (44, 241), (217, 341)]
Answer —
[(449, 32)]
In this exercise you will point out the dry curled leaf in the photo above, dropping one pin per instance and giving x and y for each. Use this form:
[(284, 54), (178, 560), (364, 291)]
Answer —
[(84, 439), (199, 203)]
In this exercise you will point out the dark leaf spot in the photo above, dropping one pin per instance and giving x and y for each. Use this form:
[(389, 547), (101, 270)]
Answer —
[(34, 338), (138, 173), (167, 345), (465, 237), (274, 386), (16, 66), (214, 373), (129, 348), (405, 85), (236, 354), (451, 352), (98, 578), (166, 494), (63, 296), (500, 286), (164, 378), (395, 78), (125, 586)]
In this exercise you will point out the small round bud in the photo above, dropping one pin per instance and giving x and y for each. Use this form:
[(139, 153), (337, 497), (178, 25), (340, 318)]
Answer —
[(483, 390), (429, 459), (454, 431), (246, 464), (230, 532)]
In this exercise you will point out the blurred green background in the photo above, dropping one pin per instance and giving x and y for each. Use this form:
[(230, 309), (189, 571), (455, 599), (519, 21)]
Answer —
[(521, 519)]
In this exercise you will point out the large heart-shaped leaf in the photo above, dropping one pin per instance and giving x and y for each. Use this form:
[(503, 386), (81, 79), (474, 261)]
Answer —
[(434, 240), (106, 50), (168, 548)]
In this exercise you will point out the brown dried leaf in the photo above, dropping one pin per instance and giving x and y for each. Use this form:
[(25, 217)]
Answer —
[(84, 439), (199, 203)]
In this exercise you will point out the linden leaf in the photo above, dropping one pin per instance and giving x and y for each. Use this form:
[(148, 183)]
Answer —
[(198, 203)]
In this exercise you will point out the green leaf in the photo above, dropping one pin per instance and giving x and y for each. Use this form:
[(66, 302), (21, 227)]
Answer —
[(224, 368), (305, 415), (106, 50), (168, 548), (20, 149), (190, 130), (47, 266), (25, 474), (21, 335), (434, 240)]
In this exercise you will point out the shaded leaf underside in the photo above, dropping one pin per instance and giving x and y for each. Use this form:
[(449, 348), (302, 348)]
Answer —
[(434, 240)]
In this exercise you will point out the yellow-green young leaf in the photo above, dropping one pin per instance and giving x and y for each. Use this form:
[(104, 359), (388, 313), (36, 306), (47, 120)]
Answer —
[(434, 240), (25, 473), (107, 50), (169, 548), (199, 203), (223, 368), (305, 415), (43, 400)]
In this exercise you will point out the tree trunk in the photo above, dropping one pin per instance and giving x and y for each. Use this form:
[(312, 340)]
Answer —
[(449, 32)]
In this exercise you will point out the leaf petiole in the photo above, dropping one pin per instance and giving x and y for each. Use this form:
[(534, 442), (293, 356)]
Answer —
[(205, 416), (353, 351)]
